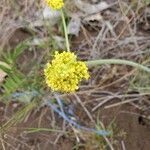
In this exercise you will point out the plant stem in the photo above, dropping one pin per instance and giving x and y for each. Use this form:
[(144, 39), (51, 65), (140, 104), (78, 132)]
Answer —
[(65, 30), (119, 62)]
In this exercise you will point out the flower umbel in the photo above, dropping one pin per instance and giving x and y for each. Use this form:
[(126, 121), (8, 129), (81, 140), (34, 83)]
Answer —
[(55, 4), (64, 72)]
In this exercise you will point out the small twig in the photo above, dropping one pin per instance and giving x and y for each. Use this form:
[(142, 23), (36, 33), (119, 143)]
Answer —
[(15, 139), (10, 145), (108, 142), (100, 104), (123, 145), (84, 108), (106, 139), (3, 145), (121, 103)]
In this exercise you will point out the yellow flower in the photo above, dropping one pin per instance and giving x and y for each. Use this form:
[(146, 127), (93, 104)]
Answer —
[(55, 4), (64, 72)]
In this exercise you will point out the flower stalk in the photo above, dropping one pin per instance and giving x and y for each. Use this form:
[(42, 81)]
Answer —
[(65, 30), (117, 62)]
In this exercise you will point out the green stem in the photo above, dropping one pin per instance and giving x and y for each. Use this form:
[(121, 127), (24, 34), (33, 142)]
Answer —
[(65, 30), (119, 62)]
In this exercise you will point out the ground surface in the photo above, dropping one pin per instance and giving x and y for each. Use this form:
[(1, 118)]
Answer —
[(116, 98)]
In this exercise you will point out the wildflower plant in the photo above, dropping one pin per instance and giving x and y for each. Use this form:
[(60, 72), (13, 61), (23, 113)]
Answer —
[(64, 72)]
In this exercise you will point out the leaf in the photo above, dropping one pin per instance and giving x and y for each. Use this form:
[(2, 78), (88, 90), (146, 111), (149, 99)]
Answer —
[(4, 65), (18, 50), (11, 56), (12, 83)]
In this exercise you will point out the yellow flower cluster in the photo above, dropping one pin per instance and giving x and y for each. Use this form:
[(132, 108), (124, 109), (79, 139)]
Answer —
[(55, 4), (64, 72)]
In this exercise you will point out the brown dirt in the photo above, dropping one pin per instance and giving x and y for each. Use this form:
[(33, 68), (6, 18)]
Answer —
[(128, 127), (135, 127)]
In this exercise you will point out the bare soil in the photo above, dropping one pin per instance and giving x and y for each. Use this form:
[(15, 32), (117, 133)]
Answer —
[(129, 127)]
